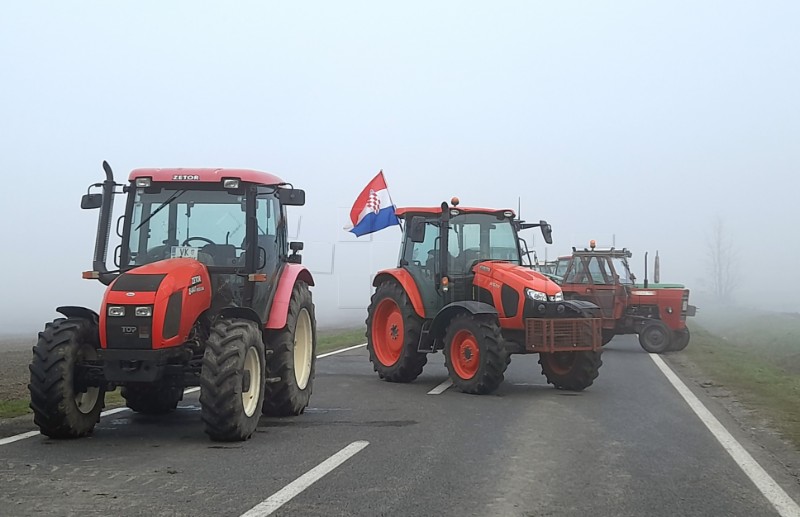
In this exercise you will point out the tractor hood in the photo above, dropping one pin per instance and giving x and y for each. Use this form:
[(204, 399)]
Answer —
[(155, 305), (517, 277)]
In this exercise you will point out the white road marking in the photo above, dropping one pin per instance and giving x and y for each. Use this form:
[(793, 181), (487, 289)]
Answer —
[(438, 390), (17, 437), (30, 434), (341, 350), (287, 493), (784, 504)]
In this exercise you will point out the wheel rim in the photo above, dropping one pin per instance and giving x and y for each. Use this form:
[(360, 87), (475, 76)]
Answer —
[(465, 354), (86, 401), (303, 349), (655, 338), (252, 365), (388, 332), (561, 363)]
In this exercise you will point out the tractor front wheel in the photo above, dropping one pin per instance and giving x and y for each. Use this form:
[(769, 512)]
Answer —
[(232, 380), (474, 354), (393, 330), (152, 400), (293, 358), (680, 340), (655, 337), (608, 335), (63, 405), (574, 371)]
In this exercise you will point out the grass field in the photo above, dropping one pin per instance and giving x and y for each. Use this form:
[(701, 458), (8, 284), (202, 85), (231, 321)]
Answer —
[(14, 401), (758, 360)]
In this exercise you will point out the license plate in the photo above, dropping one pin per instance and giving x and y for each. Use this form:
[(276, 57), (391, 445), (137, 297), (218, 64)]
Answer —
[(184, 252)]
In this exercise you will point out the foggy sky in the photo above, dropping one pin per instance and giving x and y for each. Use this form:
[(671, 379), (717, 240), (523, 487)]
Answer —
[(634, 121)]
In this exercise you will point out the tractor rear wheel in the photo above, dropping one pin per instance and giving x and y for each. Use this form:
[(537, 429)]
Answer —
[(680, 340), (293, 358), (608, 335), (474, 354), (393, 330), (574, 371), (655, 337), (152, 400), (62, 406), (232, 380)]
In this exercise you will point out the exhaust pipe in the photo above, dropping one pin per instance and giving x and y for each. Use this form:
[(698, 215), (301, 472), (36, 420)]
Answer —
[(645, 270), (104, 227)]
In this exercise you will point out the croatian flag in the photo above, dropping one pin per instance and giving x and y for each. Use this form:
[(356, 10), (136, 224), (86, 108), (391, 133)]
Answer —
[(373, 209)]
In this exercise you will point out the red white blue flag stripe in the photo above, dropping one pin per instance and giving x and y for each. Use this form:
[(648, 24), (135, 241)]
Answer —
[(373, 209)]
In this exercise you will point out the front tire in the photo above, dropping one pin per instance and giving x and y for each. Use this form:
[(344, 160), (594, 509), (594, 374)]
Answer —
[(474, 354), (680, 340), (152, 400), (655, 337), (393, 330), (574, 371), (62, 408), (293, 358), (232, 380)]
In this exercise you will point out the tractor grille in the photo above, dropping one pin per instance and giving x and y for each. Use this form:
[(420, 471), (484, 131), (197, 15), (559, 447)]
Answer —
[(562, 334), (129, 331)]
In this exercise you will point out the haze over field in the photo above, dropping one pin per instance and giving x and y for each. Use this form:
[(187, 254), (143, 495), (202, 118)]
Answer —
[(632, 122)]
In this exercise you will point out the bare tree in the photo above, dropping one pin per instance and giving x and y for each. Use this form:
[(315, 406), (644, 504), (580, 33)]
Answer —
[(722, 260)]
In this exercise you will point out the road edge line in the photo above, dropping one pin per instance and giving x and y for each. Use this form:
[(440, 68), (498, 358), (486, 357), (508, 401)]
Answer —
[(327, 354), (287, 493), (772, 491)]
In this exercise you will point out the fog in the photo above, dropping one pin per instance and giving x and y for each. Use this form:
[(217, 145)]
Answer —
[(634, 123)]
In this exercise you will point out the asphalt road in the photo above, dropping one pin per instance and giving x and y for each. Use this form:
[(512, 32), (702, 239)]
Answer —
[(629, 445)]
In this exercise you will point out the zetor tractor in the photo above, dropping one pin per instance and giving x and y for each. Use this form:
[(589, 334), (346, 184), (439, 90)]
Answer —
[(206, 294), (656, 312), (461, 287)]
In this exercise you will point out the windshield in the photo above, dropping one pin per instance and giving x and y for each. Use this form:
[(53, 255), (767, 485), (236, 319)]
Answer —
[(476, 237), (207, 225), (622, 269)]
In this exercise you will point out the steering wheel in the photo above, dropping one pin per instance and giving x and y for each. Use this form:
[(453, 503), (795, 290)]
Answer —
[(208, 241)]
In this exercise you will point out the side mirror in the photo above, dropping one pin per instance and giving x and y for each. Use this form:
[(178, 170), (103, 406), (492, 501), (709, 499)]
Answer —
[(296, 246), (547, 232), (417, 231), (91, 201), (292, 196)]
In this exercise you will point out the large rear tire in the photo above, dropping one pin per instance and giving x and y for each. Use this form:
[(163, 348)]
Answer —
[(655, 337), (474, 353), (393, 330), (152, 400), (293, 358), (574, 371), (232, 380), (608, 335), (680, 340), (62, 408)]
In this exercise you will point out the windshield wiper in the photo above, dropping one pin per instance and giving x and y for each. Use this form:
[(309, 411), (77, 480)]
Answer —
[(169, 200)]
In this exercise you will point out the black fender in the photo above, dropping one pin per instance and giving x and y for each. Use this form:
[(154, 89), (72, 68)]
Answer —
[(245, 313), (438, 326), (72, 311), (582, 307)]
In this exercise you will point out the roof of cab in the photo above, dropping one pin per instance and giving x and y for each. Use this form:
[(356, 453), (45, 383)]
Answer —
[(435, 210), (206, 175)]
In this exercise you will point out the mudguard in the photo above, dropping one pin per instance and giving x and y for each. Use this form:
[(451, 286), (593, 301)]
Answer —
[(283, 294), (71, 311), (406, 281), (439, 323)]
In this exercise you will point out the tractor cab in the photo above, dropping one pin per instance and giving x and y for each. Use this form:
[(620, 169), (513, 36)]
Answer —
[(601, 276)]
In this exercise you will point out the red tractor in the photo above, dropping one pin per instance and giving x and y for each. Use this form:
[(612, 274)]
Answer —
[(461, 287), (205, 294), (656, 312)]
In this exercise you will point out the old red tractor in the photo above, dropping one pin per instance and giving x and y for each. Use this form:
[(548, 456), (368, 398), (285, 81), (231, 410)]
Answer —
[(656, 312), (462, 287), (206, 294)]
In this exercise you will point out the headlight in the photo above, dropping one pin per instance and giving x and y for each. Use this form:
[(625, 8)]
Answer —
[(558, 297), (144, 312), (116, 311), (537, 296)]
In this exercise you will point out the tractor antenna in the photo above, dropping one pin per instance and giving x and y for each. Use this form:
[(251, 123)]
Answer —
[(519, 207)]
